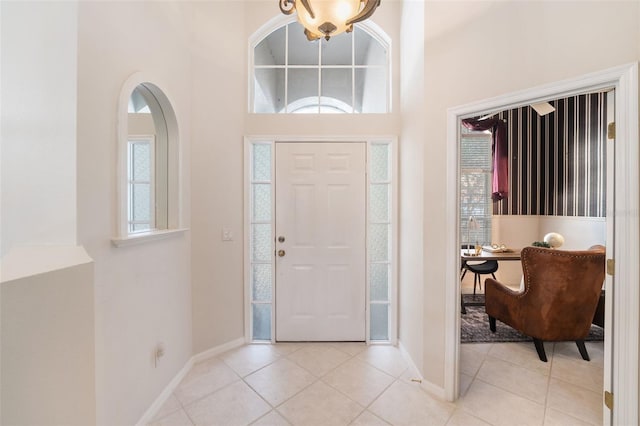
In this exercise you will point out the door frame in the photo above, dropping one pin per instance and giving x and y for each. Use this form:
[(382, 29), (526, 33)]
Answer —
[(271, 140), (623, 352)]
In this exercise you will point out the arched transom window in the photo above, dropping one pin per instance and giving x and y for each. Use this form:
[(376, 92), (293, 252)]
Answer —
[(347, 74)]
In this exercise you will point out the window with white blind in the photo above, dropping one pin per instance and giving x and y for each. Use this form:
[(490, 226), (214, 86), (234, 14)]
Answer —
[(475, 186)]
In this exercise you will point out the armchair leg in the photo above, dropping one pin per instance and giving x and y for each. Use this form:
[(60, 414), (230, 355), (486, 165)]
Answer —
[(583, 350), (492, 324), (540, 349), (462, 307)]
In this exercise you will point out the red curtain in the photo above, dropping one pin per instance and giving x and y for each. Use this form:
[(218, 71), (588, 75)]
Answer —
[(500, 153)]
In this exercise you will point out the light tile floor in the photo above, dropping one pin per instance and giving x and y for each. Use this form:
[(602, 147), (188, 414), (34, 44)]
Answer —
[(352, 384)]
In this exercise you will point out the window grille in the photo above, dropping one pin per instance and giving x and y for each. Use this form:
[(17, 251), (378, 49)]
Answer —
[(347, 74)]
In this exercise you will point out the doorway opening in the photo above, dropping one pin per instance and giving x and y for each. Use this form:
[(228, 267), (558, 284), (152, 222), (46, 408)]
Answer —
[(621, 347)]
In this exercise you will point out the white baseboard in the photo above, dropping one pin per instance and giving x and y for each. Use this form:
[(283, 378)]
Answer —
[(165, 394), (217, 350), (437, 391), (173, 384)]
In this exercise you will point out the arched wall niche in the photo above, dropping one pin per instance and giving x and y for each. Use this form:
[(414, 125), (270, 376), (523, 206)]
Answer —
[(166, 159)]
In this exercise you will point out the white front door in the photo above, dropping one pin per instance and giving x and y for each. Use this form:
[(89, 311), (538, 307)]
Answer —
[(320, 241)]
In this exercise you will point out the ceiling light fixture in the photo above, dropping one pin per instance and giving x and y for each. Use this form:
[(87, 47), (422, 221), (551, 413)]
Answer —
[(327, 18), (543, 108)]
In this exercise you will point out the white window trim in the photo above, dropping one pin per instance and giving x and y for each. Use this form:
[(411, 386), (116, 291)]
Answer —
[(249, 141), (123, 237)]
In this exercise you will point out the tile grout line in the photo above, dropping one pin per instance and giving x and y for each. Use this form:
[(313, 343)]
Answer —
[(316, 380), (546, 395), (358, 357)]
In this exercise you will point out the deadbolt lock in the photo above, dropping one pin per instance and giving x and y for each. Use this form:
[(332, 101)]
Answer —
[(281, 239), (281, 253)]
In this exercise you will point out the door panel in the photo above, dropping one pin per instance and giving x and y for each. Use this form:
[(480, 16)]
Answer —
[(321, 213)]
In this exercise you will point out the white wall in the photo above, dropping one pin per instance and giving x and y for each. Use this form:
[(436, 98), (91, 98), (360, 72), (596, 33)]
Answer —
[(518, 231), (47, 335), (219, 106), (48, 362), (142, 292), (141, 124), (220, 121), (413, 137), (38, 86), (518, 45)]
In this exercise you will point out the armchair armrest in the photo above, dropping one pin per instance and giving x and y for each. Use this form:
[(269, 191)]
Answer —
[(502, 302)]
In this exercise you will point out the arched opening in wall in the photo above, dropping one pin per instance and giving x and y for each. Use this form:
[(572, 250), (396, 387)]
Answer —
[(148, 159), (350, 73)]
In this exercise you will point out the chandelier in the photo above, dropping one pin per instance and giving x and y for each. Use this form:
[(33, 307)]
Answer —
[(327, 18)]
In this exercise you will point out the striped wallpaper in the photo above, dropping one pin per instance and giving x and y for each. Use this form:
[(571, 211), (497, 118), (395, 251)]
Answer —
[(558, 161)]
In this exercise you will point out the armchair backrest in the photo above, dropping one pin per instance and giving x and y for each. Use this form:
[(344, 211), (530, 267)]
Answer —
[(561, 291)]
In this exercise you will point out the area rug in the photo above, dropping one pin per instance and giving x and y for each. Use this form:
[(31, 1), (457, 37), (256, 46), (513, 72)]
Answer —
[(475, 327)]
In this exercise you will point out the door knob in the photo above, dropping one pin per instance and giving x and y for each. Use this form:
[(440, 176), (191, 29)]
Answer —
[(281, 253), (281, 239)]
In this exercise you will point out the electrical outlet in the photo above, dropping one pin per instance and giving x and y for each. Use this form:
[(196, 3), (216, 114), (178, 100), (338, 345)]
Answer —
[(227, 234), (158, 353)]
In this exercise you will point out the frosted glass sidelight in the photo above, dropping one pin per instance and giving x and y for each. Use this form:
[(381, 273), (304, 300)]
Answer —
[(141, 201), (379, 321), (137, 227), (261, 321), (261, 162), (262, 202), (379, 202), (141, 164), (261, 282), (261, 243), (379, 278), (379, 242), (379, 163)]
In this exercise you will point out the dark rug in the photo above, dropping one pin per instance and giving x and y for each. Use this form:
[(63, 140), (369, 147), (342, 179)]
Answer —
[(475, 327)]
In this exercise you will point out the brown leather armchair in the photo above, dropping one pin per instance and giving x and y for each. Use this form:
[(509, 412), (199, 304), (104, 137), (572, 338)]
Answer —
[(560, 296)]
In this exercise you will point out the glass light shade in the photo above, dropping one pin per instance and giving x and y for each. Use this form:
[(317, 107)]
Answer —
[(554, 239), (336, 12)]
